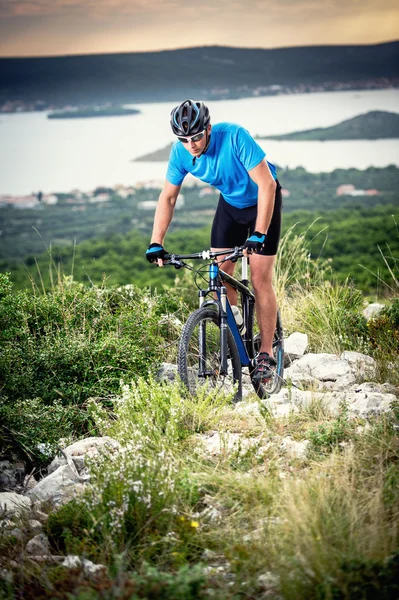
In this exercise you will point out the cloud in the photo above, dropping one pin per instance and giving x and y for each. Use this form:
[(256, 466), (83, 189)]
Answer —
[(37, 27)]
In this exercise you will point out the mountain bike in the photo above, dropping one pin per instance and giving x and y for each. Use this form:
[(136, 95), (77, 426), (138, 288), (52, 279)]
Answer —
[(213, 350)]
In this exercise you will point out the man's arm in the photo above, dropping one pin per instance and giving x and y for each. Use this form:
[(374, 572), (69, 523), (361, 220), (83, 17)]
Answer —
[(164, 212), (262, 176)]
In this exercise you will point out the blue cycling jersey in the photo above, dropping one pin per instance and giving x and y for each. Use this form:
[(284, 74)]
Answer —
[(232, 152)]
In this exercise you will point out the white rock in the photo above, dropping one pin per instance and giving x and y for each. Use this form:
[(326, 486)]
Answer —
[(373, 309), (369, 404), (56, 487), (79, 450), (326, 367), (284, 410), (35, 526), (17, 533), (72, 562), (13, 503), (268, 580), (167, 372), (89, 568), (228, 442), (293, 448), (295, 346), (38, 546), (92, 570), (362, 365), (247, 408), (342, 383)]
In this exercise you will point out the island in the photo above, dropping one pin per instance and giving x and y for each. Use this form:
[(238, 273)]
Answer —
[(161, 155), (89, 112), (374, 125)]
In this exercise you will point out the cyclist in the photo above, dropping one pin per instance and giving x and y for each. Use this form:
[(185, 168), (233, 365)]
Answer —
[(248, 213)]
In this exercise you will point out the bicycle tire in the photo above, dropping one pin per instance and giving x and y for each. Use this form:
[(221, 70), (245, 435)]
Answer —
[(188, 355), (273, 385)]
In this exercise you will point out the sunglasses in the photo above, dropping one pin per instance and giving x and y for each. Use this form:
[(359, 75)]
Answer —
[(193, 138)]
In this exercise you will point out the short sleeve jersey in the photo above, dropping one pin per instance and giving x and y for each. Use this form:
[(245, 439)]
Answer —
[(232, 152)]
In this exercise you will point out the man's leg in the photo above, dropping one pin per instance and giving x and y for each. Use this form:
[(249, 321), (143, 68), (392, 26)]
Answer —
[(262, 268)]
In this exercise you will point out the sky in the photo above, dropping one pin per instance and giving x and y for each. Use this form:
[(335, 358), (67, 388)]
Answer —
[(60, 27)]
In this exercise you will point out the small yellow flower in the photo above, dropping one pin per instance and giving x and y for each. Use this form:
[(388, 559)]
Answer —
[(194, 524), (182, 518)]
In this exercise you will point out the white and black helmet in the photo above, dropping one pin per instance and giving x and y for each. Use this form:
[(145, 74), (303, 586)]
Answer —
[(189, 118)]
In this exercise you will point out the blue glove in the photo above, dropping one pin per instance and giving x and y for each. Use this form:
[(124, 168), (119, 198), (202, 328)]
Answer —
[(155, 251), (255, 242)]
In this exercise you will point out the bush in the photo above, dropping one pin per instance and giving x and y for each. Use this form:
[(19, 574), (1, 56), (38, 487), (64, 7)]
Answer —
[(384, 339), (330, 313), (63, 347)]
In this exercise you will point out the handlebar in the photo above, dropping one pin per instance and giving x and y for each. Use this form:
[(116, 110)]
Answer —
[(177, 260)]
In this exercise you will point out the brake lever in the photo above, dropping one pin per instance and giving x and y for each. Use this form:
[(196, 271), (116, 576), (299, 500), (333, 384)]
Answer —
[(234, 256), (171, 260)]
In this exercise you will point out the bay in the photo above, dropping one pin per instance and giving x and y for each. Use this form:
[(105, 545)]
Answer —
[(58, 156)]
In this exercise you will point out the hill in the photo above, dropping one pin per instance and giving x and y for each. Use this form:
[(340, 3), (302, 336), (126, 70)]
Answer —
[(373, 125), (160, 155), (220, 72)]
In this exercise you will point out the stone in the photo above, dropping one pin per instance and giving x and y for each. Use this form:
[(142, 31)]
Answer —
[(269, 581), (17, 533), (294, 347), (341, 384), (35, 526), (11, 475), (29, 483), (368, 404), (14, 503), (321, 367), (90, 569), (215, 443), (72, 562), (38, 546), (372, 310), (362, 365), (56, 487), (293, 448), (167, 372), (78, 451), (247, 408)]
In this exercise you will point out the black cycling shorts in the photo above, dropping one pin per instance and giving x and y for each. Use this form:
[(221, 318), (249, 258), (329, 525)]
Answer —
[(232, 226)]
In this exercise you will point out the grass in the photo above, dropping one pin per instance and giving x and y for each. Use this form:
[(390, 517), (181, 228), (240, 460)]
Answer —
[(232, 523)]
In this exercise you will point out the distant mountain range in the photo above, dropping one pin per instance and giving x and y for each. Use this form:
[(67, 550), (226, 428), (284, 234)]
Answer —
[(209, 72), (374, 125)]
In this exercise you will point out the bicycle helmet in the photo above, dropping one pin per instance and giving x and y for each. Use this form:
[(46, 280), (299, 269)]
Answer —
[(189, 118)]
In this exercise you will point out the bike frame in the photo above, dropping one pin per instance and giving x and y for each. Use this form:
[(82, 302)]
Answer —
[(215, 287), (216, 279)]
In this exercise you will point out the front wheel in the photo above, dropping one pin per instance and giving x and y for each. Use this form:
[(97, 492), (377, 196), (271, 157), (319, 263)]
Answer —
[(199, 359), (272, 385)]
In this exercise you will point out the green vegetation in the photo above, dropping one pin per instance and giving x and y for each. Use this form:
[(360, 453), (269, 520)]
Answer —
[(354, 241), (373, 125), (93, 111), (356, 231), (164, 517), (60, 348)]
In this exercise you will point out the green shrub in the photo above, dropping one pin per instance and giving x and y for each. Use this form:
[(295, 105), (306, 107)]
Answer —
[(73, 343), (384, 338)]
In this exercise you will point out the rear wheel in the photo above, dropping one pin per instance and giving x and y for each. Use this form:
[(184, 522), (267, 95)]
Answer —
[(198, 359), (272, 385)]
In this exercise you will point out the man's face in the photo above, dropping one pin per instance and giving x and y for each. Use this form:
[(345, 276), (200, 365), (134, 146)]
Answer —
[(193, 145)]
